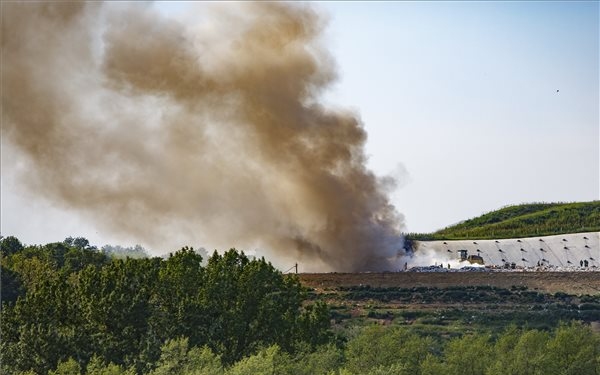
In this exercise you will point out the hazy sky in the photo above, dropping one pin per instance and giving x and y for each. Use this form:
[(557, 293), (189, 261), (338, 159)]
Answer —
[(464, 96), (472, 105)]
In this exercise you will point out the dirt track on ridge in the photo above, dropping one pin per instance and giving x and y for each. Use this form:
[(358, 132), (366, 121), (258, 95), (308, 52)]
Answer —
[(549, 282)]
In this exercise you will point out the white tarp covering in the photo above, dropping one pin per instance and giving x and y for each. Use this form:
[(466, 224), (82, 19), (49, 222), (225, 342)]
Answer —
[(567, 251)]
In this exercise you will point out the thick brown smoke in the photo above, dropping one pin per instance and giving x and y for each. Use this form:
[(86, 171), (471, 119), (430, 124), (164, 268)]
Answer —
[(205, 133)]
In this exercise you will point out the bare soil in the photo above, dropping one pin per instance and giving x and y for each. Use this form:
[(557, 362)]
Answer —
[(578, 283)]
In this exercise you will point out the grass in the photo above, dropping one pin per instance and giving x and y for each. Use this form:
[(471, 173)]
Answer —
[(525, 220)]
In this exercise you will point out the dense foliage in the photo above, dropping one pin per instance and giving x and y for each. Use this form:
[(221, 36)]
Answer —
[(68, 300), (526, 220), (568, 350), (70, 309)]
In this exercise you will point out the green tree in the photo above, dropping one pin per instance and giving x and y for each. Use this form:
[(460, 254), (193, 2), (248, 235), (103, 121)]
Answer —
[(374, 347), (528, 354), (97, 310), (115, 304), (38, 331), (262, 363), (76, 259), (68, 367), (573, 350), (395, 369), (97, 367), (503, 352), (314, 323), (10, 285), (179, 309), (324, 359), (468, 355), (178, 359), (204, 362), (9, 353), (379, 349), (56, 252), (414, 350), (251, 305), (432, 365), (10, 245), (81, 243)]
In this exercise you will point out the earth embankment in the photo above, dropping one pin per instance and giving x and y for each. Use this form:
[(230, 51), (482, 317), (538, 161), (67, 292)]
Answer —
[(548, 282)]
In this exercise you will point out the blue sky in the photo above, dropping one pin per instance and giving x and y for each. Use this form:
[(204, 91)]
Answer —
[(459, 100), (463, 95)]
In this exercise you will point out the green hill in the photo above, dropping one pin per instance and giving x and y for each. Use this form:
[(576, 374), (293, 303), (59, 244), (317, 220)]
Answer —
[(525, 220)]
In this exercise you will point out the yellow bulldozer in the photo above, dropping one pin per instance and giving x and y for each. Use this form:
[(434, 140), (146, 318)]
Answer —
[(472, 259)]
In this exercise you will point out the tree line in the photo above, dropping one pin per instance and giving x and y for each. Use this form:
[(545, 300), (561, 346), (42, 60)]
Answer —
[(568, 350), (69, 300), (70, 309)]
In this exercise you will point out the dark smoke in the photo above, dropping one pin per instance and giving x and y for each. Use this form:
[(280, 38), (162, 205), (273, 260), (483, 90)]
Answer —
[(206, 133)]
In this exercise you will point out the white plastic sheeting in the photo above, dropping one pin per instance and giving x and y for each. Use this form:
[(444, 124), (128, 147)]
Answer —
[(566, 251)]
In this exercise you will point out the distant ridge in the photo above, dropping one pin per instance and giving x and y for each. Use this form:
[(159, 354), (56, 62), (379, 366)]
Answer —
[(523, 220)]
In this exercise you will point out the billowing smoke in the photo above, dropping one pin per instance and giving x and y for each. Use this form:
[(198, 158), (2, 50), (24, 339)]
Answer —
[(209, 132)]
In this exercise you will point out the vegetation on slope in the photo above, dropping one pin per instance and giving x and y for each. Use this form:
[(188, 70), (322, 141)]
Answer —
[(525, 220), (455, 310)]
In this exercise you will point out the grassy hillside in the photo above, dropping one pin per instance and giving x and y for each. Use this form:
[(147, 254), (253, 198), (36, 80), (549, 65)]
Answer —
[(525, 220)]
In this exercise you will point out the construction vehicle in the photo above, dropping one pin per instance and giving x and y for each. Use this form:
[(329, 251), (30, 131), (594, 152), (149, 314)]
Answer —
[(475, 259), (472, 259)]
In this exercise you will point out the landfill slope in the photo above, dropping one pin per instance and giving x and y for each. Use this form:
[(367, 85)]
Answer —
[(565, 252)]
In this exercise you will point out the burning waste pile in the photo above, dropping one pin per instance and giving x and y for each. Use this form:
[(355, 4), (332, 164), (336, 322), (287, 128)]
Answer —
[(206, 131)]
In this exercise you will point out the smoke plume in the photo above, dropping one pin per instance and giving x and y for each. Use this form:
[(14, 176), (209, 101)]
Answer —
[(209, 132)]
